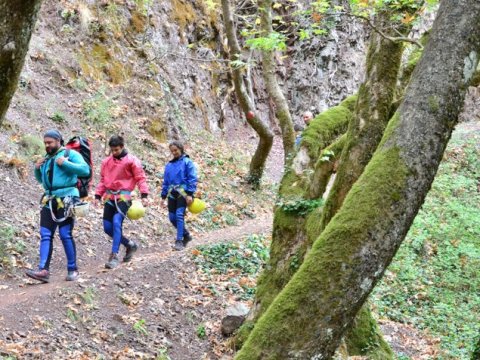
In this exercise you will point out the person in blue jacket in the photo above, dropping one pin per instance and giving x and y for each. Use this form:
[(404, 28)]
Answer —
[(58, 175), (179, 186)]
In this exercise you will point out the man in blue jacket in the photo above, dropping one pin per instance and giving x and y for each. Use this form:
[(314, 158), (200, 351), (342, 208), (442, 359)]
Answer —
[(58, 175), (179, 186)]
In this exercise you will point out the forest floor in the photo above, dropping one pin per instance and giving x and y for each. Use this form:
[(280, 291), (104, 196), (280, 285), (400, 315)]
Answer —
[(162, 305)]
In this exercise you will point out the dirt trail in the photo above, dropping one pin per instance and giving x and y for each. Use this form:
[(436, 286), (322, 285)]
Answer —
[(95, 269)]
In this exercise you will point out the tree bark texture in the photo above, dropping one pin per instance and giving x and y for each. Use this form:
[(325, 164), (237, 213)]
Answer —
[(325, 167), (257, 164), (358, 244), (282, 112), (372, 113), (17, 22)]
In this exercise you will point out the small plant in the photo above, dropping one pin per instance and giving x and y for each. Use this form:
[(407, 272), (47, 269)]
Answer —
[(98, 109), (7, 233), (300, 207), (88, 296), (163, 354), (140, 327), (72, 314), (201, 332), (58, 117)]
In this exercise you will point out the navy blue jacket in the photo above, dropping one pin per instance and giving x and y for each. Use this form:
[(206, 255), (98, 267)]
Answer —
[(182, 173)]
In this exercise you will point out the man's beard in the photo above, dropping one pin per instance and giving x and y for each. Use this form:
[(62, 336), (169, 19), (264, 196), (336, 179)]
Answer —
[(52, 150)]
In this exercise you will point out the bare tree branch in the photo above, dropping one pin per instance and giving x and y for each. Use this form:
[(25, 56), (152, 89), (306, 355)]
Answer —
[(381, 33)]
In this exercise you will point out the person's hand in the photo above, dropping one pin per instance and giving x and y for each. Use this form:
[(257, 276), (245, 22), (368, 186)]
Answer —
[(163, 203), (39, 163), (60, 160), (189, 200), (96, 203), (145, 202)]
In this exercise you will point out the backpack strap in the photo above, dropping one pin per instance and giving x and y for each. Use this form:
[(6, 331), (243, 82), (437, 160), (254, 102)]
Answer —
[(67, 153)]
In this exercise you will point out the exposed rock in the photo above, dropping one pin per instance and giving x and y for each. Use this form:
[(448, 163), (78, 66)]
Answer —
[(236, 315)]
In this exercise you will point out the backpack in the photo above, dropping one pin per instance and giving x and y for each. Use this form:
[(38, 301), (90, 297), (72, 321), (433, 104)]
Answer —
[(83, 146)]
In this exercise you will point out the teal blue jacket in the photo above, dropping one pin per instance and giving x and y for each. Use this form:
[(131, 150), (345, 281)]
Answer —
[(63, 181)]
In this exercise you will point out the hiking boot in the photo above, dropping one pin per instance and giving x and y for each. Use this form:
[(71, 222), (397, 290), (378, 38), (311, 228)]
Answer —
[(131, 248), (72, 275), (42, 275), (186, 238), (178, 245), (112, 261)]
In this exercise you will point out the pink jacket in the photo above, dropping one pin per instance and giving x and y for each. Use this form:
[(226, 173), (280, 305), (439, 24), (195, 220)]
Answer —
[(121, 174)]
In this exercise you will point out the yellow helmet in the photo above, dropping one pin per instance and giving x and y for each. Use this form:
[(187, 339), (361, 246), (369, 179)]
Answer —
[(197, 206), (136, 211)]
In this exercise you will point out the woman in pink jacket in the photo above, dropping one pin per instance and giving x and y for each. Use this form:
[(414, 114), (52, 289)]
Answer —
[(119, 174)]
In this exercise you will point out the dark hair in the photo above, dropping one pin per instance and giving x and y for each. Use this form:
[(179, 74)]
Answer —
[(297, 127), (116, 140), (177, 144)]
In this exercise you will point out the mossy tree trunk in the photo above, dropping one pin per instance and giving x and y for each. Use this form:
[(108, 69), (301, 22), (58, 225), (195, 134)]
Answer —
[(290, 241), (282, 112), (311, 314), (17, 21), (366, 126), (372, 113), (257, 164)]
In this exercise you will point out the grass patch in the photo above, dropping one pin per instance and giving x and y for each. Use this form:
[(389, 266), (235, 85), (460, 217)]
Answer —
[(9, 248), (433, 281)]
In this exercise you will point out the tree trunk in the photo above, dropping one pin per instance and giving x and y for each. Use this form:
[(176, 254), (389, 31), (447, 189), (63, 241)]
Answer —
[(325, 167), (372, 113), (282, 111), (17, 22), (257, 165), (310, 316)]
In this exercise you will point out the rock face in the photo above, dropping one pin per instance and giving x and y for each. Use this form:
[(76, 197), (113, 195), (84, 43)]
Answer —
[(236, 315), (161, 67)]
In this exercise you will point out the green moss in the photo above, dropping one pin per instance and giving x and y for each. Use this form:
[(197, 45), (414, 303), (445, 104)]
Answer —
[(292, 186), (327, 126), (243, 333), (364, 338), (99, 63), (390, 129), (313, 226), (158, 129), (329, 269)]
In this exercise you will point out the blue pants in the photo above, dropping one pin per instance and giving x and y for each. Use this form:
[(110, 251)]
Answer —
[(176, 215), (113, 223), (47, 231)]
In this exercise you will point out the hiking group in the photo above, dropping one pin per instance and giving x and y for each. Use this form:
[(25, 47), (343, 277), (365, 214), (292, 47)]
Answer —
[(65, 173)]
